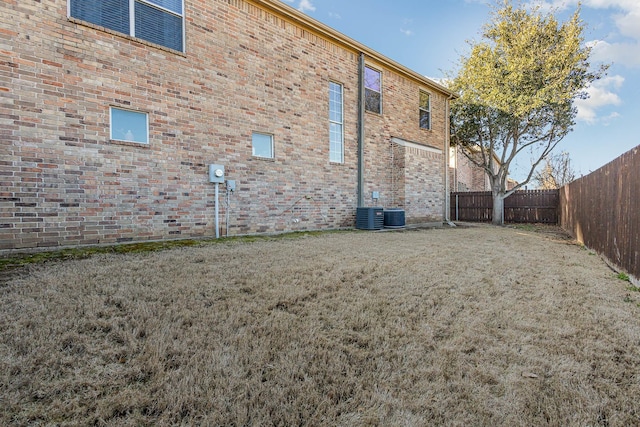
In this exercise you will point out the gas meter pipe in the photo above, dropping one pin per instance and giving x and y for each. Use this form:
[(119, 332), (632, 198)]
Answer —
[(216, 209)]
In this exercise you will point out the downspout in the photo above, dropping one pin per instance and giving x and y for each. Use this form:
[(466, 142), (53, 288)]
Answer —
[(455, 170), (447, 145), (361, 131)]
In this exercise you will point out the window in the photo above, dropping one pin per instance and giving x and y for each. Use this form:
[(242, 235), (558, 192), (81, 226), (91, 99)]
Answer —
[(130, 126), (372, 90), (157, 21), (262, 145), (425, 110), (336, 137)]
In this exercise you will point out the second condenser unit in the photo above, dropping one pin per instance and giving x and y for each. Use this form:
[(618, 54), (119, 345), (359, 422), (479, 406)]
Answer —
[(371, 218)]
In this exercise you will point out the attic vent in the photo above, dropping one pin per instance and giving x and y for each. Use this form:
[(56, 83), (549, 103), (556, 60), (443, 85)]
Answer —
[(369, 218)]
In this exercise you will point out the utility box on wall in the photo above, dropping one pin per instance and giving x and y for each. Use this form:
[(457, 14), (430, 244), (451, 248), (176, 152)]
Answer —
[(216, 174), (369, 218)]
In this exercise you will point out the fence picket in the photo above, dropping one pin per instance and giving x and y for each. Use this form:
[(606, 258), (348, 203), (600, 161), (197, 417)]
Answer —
[(522, 206), (602, 211)]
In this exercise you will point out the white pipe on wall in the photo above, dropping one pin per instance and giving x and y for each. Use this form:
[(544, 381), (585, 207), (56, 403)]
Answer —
[(217, 220)]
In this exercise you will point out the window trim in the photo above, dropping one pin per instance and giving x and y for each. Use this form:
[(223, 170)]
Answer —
[(373, 90), (421, 109), (273, 145), (132, 23), (144, 113), (340, 123)]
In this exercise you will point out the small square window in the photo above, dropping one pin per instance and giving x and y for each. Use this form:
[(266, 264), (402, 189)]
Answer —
[(262, 145), (130, 126)]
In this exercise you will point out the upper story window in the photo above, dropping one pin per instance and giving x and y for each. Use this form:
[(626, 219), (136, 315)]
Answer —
[(372, 90), (425, 110), (156, 21), (336, 135)]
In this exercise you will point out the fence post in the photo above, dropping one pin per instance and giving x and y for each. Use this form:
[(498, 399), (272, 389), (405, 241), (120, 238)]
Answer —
[(456, 207)]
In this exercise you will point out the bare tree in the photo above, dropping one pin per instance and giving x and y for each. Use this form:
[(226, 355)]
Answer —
[(556, 172)]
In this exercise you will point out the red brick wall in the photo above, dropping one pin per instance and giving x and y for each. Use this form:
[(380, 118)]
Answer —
[(62, 181), (420, 188), (466, 176), (463, 173)]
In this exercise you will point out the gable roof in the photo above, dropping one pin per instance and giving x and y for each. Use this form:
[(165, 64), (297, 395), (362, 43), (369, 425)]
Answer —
[(324, 31)]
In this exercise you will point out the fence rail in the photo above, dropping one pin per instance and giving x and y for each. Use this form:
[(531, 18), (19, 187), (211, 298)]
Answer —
[(532, 206), (602, 211)]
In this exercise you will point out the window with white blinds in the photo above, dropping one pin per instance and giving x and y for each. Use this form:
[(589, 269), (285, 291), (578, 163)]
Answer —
[(336, 134), (156, 21)]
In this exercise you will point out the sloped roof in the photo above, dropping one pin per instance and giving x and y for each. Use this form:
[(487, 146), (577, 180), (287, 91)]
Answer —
[(322, 30)]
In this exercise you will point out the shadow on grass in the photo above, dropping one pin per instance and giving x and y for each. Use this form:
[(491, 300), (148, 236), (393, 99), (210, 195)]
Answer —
[(15, 260)]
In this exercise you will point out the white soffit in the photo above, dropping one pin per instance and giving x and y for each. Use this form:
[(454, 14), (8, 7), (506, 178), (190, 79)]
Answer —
[(405, 143)]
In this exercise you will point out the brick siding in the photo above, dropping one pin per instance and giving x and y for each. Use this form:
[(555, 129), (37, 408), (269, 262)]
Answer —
[(465, 175), (64, 182)]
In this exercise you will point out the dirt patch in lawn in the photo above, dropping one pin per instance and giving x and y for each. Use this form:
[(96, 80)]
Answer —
[(462, 326)]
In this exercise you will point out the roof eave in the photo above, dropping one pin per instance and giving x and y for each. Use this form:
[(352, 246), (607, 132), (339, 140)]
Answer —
[(339, 38)]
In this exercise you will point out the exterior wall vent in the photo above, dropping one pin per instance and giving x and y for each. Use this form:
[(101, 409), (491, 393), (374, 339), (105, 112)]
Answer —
[(394, 218), (369, 218)]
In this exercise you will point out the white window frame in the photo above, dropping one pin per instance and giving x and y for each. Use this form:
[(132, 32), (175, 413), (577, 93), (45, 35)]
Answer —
[(271, 148), (132, 19), (425, 110), (113, 133), (336, 156), (367, 88)]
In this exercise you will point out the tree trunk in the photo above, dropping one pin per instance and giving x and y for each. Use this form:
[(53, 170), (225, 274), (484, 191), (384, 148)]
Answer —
[(498, 208)]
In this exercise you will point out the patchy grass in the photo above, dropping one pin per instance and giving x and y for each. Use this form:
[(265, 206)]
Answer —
[(13, 260), (623, 276), (21, 259), (467, 326), (525, 227)]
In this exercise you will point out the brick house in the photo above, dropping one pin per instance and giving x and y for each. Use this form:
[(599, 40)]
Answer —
[(112, 111), (464, 175)]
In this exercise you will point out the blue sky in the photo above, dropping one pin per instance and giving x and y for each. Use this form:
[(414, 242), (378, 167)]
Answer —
[(429, 36)]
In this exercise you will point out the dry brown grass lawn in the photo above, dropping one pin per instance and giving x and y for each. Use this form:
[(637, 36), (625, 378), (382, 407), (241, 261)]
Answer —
[(459, 327)]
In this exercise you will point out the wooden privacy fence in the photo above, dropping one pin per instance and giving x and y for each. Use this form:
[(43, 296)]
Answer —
[(602, 211), (533, 206)]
